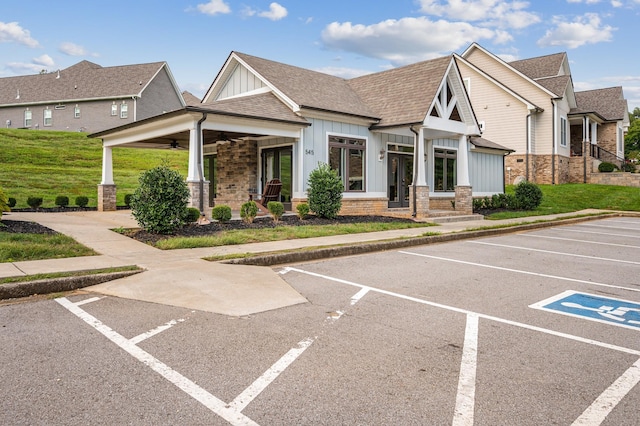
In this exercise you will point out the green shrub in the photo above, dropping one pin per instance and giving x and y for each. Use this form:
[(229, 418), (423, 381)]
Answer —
[(629, 167), (4, 203), (303, 210), (82, 201), (34, 202), (528, 195), (276, 208), (193, 214), (62, 201), (11, 202), (325, 191), (605, 167), (128, 198), (249, 211), (221, 213), (159, 204)]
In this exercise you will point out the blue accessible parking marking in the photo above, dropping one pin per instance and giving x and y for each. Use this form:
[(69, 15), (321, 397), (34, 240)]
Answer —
[(622, 313)]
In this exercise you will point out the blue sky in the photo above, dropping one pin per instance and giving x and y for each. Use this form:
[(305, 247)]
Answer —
[(344, 38)]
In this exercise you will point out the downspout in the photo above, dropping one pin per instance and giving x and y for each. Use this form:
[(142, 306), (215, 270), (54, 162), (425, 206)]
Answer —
[(199, 163), (528, 130), (554, 141), (414, 213)]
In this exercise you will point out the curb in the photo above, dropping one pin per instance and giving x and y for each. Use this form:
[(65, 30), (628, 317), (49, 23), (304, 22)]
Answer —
[(56, 285), (362, 248)]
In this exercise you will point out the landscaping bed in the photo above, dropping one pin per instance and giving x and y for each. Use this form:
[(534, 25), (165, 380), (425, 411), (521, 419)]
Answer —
[(23, 227)]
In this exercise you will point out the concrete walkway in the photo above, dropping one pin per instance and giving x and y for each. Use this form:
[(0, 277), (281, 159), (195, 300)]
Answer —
[(181, 277)]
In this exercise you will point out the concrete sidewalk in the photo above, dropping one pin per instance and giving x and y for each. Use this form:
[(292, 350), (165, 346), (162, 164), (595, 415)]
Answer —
[(182, 278)]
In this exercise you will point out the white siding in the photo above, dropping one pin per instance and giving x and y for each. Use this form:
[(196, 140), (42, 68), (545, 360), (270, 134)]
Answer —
[(486, 173), (241, 81)]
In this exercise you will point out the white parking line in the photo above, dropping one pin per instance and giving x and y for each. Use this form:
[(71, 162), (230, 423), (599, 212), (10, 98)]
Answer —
[(89, 300), (626, 228), (607, 401), (580, 231), (582, 241), (189, 387), (144, 336), (518, 271), (606, 259), (465, 399)]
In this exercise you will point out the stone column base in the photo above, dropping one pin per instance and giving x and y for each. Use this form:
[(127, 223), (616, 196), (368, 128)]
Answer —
[(464, 199), (194, 190), (106, 198), (421, 201)]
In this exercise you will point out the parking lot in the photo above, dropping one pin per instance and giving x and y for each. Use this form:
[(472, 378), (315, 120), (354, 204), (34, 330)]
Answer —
[(541, 327)]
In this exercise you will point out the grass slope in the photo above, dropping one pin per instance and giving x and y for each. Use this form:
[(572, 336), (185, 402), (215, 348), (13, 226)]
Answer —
[(39, 163)]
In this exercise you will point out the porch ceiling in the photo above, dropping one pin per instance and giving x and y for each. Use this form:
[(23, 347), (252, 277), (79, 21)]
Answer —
[(181, 139)]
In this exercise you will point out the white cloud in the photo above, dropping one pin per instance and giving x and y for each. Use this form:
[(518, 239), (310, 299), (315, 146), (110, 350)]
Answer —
[(13, 32), (72, 49), (404, 41), (44, 60), (616, 3), (275, 13), (214, 7), (586, 29), (498, 13)]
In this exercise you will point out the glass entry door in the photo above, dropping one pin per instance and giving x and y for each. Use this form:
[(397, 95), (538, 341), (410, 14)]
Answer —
[(277, 163), (400, 177)]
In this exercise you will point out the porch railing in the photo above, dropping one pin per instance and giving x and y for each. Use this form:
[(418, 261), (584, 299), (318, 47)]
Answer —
[(602, 154)]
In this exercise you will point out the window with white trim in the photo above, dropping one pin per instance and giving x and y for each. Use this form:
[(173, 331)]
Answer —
[(47, 118), (347, 156), (76, 112), (563, 131), (444, 169), (28, 118), (114, 110), (124, 111)]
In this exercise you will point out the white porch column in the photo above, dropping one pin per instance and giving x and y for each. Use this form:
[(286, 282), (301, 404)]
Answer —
[(463, 162), (192, 173), (421, 173), (107, 166)]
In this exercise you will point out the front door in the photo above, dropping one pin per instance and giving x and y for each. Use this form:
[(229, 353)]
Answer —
[(400, 177), (277, 163)]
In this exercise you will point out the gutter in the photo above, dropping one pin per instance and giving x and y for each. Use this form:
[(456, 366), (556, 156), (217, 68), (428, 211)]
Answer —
[(199, 163)]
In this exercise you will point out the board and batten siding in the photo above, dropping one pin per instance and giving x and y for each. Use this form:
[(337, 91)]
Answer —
[(486, 173), (240, 81)]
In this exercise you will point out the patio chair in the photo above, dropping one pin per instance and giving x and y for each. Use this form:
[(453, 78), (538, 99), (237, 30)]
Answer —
[(271, 192)]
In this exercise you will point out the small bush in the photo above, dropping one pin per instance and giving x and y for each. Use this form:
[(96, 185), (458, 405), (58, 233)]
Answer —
[(303, 210), (605, 167), (221, 213), (628, 167), (127, 199), (34, 202), (193, 214), (82, 201), (325, 191), (11, 202), (276, 208), (62, 201), (528, 196), (249, 211), (160, 202)]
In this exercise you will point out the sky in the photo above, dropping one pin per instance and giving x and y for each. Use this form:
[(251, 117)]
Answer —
[(346, 38)]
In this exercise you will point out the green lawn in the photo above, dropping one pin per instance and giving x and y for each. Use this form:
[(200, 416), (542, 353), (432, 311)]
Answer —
[(21, 247), (39, 163)]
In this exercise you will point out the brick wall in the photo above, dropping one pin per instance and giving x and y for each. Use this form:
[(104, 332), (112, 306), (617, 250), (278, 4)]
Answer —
[(616, 178), (607, 135), (237, 172)]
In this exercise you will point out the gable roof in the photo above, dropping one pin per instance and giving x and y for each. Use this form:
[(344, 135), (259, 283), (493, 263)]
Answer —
[(263, 105), (402, 95), (541, 66), (82, 81), (307, 88), (557, 85), (609, 103)]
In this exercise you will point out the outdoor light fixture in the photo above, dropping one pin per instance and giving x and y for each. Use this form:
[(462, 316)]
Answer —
[(381, 156)]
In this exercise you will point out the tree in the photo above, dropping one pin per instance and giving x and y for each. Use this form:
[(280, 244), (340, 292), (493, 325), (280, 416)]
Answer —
[(632, 139)]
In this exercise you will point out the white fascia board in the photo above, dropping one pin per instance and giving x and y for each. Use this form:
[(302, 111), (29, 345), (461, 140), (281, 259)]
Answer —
[(150, 130), (247, 125), (462, 97)]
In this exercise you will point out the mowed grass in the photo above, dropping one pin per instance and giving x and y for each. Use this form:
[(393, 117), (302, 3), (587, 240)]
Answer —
[(39, 163), (571, 197), (22, 247), (279, 233)]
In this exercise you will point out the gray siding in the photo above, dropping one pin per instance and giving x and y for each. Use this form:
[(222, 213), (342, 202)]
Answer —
[(487, 172), (158, 97)]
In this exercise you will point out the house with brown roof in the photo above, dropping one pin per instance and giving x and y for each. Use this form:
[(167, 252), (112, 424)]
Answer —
[(558, 135), (88, 97), (404, 141)]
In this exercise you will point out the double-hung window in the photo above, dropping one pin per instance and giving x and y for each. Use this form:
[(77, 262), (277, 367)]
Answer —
[(444, 170), (28, 117), (347, 157), (114, 110), (563, 131), (124, 111), (48, 117)]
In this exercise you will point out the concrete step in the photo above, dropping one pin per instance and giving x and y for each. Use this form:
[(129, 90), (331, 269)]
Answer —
[(456, 218)]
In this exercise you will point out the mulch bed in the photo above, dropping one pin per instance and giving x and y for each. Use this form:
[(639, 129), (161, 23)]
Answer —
[(22, 227)]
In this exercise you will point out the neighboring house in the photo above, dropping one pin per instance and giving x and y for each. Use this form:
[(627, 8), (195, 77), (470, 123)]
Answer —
[(87, 97), (403, 141), (530, 106)]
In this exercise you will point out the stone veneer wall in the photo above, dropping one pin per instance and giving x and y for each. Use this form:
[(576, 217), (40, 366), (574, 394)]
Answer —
[(540, 168), (106, 198), (237, 172), (615, 178), (607, 136), (441, 203), (464, 199)]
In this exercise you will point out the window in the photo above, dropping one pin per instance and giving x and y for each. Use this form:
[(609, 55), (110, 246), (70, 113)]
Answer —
[(444, 170), (48, 117), (467, 84), (76, 112), (114, 110), (27, 118), (347, 157), (563, 131), (124, 111)]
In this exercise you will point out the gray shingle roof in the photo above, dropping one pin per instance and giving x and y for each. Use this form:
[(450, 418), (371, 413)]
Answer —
[(190, 98), (541, 66), (84, 80), (264, 105), (402, 95), (485, 143), (609, 103), (557, 85), (309, 88)]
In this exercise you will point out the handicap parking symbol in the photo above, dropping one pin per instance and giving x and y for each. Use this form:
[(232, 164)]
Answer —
[(618, 312)]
